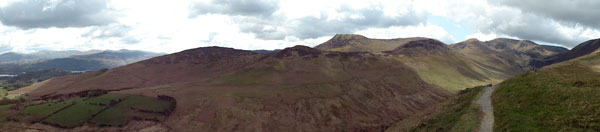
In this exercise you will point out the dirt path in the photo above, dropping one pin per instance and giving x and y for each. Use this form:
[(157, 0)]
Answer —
[(485, 101)]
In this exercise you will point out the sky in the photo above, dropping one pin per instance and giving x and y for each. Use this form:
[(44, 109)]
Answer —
[(169, 26)]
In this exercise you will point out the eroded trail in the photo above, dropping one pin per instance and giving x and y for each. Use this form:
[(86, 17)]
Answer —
[(487, 122)]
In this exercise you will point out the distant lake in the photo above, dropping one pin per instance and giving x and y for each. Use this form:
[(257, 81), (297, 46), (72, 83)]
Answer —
[(78, 71), (6, 75)]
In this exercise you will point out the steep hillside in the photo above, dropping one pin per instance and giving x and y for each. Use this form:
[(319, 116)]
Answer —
[(506, 55), (582, 49), (359, 43), (295, 89), (559, 97), (437, 64)]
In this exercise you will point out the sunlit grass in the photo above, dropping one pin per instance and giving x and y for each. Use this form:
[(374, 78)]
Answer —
[(560, 98)]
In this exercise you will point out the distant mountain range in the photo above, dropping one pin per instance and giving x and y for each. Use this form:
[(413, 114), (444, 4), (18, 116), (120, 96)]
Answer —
[(14, 57), (15, 63), (349, 83), (580, 50), (457, 66)]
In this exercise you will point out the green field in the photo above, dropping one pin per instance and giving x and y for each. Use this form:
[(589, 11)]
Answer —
[(557, 98), (108, 109), (4, 112), (46, 109), (40, 111), (74, 115), (131, 108)]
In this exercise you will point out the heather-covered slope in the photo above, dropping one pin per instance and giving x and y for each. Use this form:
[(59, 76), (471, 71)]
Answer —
[(295, 89)]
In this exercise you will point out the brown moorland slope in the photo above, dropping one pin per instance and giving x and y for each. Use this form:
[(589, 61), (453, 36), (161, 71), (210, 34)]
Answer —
[(295, 89)]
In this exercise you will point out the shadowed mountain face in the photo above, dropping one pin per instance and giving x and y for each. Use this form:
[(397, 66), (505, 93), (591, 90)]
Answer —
[(582, 49), (295, 89), (90, 62)]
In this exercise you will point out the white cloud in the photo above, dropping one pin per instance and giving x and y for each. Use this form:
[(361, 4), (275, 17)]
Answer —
[(166, 26), (28, 14), (486, 37), (521, 21), (578, 12), (421, 30)]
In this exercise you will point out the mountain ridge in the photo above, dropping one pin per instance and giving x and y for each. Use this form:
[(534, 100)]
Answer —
[(14, 57), (472, 62)]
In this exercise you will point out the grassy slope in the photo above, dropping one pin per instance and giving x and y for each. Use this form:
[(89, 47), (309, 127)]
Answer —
[(561, 97), (459, 114), (451, 72)]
